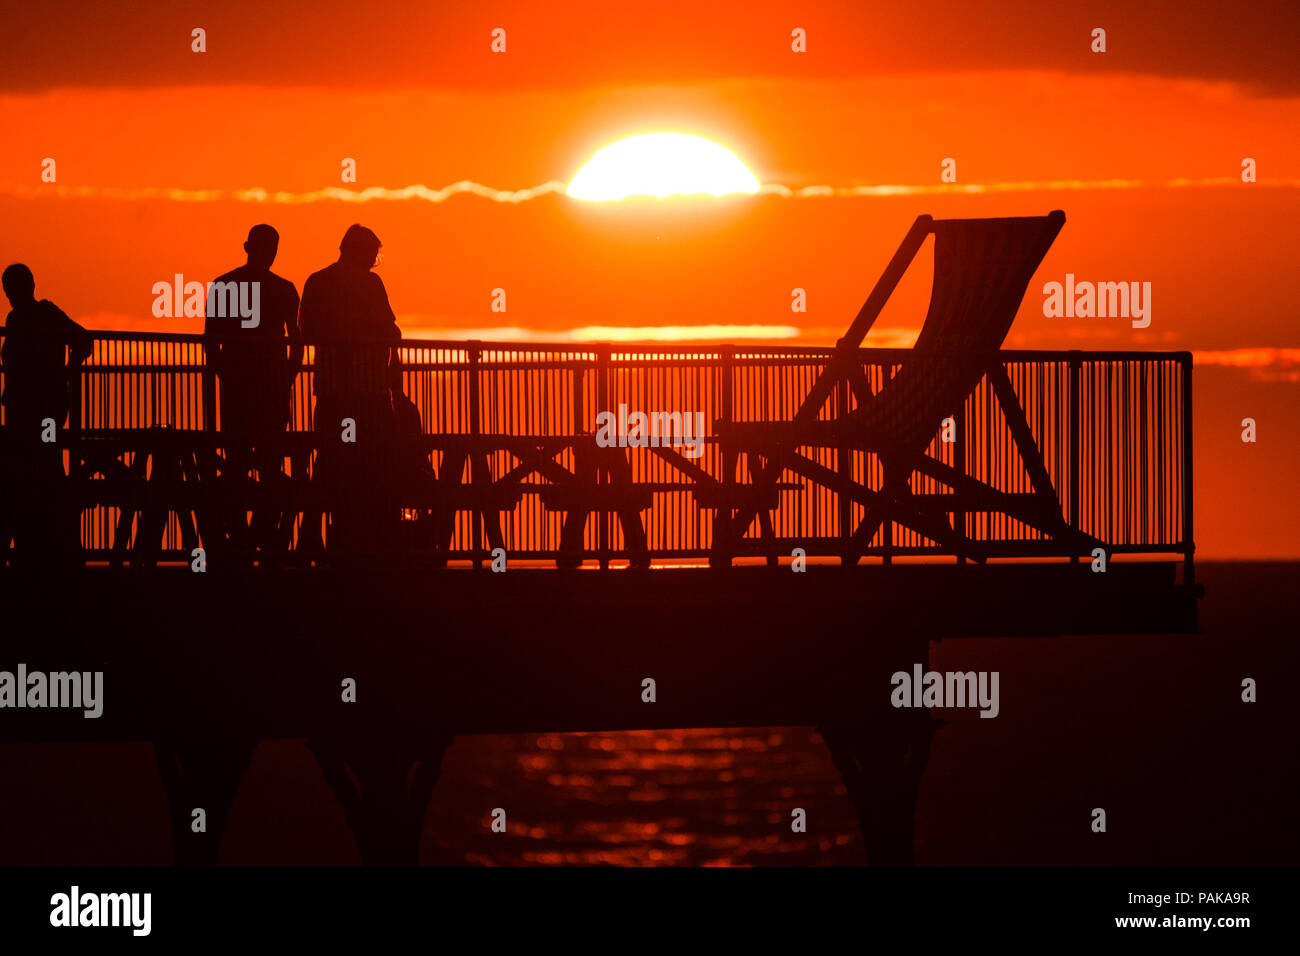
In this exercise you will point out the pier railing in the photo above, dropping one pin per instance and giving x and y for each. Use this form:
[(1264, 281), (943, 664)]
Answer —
[(508, 455)]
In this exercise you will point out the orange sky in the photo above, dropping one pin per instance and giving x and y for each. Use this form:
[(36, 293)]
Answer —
[(154, 143)]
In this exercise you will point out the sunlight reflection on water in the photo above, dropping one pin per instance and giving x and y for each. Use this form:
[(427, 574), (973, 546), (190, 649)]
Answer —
[(676, 797)]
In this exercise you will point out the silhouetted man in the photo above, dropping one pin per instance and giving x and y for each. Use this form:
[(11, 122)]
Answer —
[(346, 315), (42, 350), (251, 313)]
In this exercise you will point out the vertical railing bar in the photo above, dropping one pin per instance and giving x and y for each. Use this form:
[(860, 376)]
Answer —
[(1076, 361), (1189, 547), (474, 350)]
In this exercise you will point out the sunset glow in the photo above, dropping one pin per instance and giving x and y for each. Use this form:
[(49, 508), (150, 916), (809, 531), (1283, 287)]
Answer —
[(447, 436), (481, 171)]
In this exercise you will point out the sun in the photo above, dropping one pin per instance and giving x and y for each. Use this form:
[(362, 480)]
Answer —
[(661, 165)]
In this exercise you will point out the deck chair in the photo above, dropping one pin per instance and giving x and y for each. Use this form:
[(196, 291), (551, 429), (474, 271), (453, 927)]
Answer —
[(982, 268)]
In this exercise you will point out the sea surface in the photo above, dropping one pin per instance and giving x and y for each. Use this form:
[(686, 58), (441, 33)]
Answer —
[(1151, 729)]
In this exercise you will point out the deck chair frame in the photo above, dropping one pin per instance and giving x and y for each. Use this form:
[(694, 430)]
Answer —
[(775, 446)]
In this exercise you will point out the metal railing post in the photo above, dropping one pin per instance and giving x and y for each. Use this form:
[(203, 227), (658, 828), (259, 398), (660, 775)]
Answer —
[(474, 349), (721, 525), (603, 518), (1076, 365), (1189, 545), (959, 462), (843, 465)]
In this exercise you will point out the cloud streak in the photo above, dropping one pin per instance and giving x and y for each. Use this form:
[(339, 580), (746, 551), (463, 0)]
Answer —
[(1258, 357), (421, 193), (415, 328), (258, 195), (1043, 185)]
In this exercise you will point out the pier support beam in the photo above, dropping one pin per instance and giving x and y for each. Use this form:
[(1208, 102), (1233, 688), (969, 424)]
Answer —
[(384, 790), (201, 773), (882, 765)]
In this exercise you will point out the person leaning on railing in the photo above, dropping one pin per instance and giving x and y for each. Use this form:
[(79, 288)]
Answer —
[(42, 350), (345, 315), (249, 359)]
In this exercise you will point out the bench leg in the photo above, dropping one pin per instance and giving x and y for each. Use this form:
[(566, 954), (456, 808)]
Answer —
[(765, 527), (490, 521)]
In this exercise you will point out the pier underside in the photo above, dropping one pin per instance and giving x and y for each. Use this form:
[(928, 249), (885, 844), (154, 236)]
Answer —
[(205, 665)]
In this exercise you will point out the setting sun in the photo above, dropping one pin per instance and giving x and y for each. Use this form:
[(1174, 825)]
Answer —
[(661, 165)]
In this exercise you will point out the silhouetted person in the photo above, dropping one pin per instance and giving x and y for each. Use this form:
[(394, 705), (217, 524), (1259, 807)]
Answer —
[(43, 349), (256, 374), (346, 315)]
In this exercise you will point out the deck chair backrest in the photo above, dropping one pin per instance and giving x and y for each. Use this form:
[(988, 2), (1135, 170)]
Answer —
[(982, 268)]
